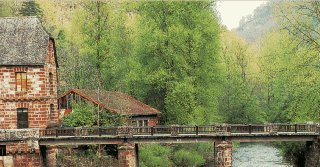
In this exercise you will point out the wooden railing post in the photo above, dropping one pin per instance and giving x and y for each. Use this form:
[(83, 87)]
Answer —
[(56, 132), (295, 128), (174, 130), (197, 130), (152, 130), (250, 128), (99, 131)]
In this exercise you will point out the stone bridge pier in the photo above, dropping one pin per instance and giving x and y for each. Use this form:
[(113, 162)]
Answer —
[(223, 153), (128, 155)]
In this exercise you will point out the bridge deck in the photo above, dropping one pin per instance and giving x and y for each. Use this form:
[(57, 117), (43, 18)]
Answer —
[(181, 134), (166, 134)]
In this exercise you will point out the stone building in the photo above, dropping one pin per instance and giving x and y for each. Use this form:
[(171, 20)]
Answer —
[(28, 86), (138, 113)]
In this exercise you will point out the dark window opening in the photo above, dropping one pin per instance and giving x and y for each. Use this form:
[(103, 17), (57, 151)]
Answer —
[(51, 83), (22, 115), (3, 150), (43, 150), (51, 111), (145, 123)]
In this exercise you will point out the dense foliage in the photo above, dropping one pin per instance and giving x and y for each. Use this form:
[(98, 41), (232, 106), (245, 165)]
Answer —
[(30, 8), (177, 48), (176, 57)]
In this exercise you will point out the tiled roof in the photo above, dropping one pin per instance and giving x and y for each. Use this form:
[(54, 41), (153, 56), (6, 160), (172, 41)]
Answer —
[(23, 41), (116, 102)]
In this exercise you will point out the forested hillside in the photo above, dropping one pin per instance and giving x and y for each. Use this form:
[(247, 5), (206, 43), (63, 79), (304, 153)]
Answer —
[(176, 57)]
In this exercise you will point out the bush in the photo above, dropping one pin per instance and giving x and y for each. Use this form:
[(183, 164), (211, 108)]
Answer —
[(84, 158), (154, 155), (293, 152), (188, 158)]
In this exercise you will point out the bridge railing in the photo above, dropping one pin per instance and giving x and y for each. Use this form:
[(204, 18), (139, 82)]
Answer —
[(296, 128), (174, 130), (238, 128)]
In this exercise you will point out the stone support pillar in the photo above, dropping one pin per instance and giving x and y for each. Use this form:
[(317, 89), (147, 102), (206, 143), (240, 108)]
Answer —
[(52, 152), (127, 155), (223, 153), (313, 154)]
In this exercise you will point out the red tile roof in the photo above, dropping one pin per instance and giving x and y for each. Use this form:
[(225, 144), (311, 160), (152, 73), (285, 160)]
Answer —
[(116, 102)]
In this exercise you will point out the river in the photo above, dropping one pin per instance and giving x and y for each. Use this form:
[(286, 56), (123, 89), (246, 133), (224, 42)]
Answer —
[(257, 155)]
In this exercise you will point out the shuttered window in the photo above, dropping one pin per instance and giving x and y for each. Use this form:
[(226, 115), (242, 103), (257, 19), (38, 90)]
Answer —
[(21, 81), (22, 115)]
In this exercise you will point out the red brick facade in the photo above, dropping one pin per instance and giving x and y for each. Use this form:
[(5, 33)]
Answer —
[(39, 98), (153, 121), (24, 154)]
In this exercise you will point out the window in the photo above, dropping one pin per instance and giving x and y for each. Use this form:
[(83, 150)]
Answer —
[(133, 123), (51, 83), (145, 123), (22, 115), (2, 150), (21, 81), (51, 111)]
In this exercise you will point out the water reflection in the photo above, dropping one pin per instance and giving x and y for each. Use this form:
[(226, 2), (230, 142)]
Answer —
[(257, 155)]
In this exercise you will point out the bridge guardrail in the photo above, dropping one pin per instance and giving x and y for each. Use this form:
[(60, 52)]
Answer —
[(176, 130)]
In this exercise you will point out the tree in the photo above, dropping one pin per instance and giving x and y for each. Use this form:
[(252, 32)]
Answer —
[(290, 83), (301, 19), (30, 8), (238, 102), (177, 48), (154, 155)]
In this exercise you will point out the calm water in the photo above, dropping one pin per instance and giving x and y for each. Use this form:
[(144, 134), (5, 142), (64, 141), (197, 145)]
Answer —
[(257, 155)]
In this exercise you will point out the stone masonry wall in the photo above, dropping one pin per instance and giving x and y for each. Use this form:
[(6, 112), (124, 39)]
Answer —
[(223, 153), (127, 156), (37, 98)]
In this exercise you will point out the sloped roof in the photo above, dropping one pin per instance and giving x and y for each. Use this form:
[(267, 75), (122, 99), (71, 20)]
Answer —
[(23, 41), (116, 102)]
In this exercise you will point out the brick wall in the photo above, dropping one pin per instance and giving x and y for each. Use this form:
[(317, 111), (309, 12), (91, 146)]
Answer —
[(153, 121), (39, 99), (27, 160), (24, 153)]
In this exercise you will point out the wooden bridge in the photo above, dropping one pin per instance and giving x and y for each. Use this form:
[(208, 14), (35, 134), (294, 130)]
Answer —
[(180, 134), (128, 137)]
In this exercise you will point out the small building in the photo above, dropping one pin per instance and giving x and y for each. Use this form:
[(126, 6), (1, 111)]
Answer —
[(28, 74), (139, 114), (28, 88)]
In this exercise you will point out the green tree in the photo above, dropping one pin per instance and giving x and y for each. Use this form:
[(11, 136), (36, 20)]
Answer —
[(238, 102), (290, 81), (86, 115), (155, 155), (82, 115), (177, 48), (30, 8), (188, 158)]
